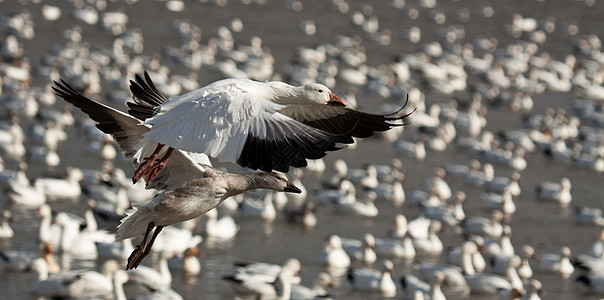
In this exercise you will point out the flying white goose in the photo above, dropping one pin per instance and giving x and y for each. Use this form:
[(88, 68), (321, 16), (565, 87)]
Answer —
[(234, 120)]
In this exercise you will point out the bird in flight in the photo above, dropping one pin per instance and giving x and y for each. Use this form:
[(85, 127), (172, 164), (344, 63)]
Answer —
[(259, 125)]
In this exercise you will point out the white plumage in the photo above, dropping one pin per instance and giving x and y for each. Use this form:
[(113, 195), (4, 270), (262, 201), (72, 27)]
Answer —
[(375, 281)]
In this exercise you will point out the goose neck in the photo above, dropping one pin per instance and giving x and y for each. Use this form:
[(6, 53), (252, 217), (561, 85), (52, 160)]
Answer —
[(118, 289), (283, 93)]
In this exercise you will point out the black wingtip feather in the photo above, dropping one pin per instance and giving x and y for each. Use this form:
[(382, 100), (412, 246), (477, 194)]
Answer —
[(343, 121), (146, 97), (280, 154)]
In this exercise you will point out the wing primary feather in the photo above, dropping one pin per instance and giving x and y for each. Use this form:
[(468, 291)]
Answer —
[(146, 97), (281, 148), (343, 121), (125, 129)]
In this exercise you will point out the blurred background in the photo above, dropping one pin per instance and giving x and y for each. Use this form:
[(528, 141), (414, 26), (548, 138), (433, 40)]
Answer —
[(507, 95)]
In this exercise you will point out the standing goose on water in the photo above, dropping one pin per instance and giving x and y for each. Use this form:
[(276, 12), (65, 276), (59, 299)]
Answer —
[(259, 125), (189, 188)]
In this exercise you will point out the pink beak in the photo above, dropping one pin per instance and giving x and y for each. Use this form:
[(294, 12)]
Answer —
[(335, 100)]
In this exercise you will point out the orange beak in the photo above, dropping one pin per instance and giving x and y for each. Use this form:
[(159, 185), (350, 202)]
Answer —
[(335, 100)]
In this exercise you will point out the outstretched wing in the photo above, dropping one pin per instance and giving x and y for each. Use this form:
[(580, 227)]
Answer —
[(340, 120), (225, 122), (146, 97), (128, 133), (125, 129)]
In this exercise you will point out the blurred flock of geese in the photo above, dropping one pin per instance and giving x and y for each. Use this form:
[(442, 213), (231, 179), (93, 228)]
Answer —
[(76, 254)]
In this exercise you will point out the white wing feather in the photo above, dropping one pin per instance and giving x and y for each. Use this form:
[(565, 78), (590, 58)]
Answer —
[(212, 122)]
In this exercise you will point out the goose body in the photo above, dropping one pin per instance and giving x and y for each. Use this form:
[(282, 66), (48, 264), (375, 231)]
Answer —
[(267, 270), (555, 263), (70, 284), (592, 282), (363, 208), (455, 280), (266, 281), (361, 250), (487, 283), (333, 255), (431, 244), (455, 256), (25, 195), (317, 291), (411, 149), (115, 250), (156, 278), (394, 193), (431, 289), (21, 261), (61, 189), (305, 215), (374, 281), (394, 248), (80, 243), (263, 208), (502, 202), (6, 231), (223, 228), (188, 264), (482, 226), (245, 118), (555, 191)]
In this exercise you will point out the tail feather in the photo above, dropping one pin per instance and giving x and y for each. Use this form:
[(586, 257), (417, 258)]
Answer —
[(134, 223)]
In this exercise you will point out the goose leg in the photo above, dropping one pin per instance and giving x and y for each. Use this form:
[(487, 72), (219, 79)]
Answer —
[(140, 248), (146, 165), (154, 170), (133, 262)]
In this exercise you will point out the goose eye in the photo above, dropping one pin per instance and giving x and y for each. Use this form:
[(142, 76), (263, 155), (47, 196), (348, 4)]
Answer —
[(320, 91)]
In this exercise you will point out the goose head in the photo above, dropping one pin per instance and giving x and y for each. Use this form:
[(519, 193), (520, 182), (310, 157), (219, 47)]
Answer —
[(120, 277), (44, 211), (369, 240), (527, 252), (313, 93), (340, 167), (533, 286), (334, 242), (7, 215), (277, 182), (46, 249), (565, 250), (110, 267), (321, 94), (75, 174), (192, 252), (438, 278), (514, 262), (293, 265), (388, 267), (325, 280), (565, 183)]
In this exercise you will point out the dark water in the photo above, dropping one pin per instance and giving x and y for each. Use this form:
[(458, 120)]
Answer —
[(545, 226)]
